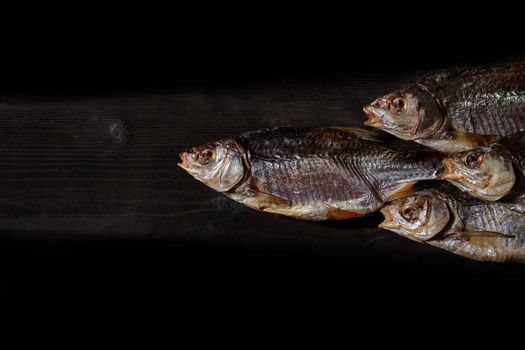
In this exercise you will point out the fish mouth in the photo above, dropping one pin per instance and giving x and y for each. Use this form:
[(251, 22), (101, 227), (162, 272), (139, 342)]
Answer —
[(450, 173), (373, 119), (184, 161), (181, 165), (388, 221)]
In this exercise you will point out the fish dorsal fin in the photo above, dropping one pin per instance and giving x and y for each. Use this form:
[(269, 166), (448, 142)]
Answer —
[(361, 133)]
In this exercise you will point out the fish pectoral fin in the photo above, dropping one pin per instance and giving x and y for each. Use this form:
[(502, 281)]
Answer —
[(473, 140), (335, 213), (361, 133), (467, 234), (405, 190), (264, 200)]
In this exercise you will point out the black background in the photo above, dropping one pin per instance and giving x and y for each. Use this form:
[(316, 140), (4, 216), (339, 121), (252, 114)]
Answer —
[(198, 248)]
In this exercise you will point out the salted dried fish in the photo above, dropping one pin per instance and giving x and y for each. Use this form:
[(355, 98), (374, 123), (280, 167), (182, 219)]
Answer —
[(455, 111), (312, 174), (448, 219)]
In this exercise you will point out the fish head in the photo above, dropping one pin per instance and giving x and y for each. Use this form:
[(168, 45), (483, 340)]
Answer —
[(409, 114), (219, 165), (420, 216), (484, 172)]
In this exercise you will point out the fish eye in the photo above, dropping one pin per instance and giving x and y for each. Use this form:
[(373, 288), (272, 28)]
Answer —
[(206, 156), (474, 160), (398, 104), (410, 212)]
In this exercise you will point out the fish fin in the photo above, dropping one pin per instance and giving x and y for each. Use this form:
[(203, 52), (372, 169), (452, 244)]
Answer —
[(470, 233), (264, 200), (406, 189), (361, 133), (342, 214), (473, 140)]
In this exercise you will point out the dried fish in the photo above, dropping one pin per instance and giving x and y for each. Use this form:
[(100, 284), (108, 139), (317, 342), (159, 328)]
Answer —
[(453, 221), (311, 174), (455, 111)]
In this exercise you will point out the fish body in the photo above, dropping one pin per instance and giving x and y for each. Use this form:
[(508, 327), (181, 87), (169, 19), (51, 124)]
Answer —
[(448, 219), (316, 174), (455, 111)]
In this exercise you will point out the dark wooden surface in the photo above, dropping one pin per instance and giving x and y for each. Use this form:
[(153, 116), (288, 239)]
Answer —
[(90, 191), (106, 165)]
